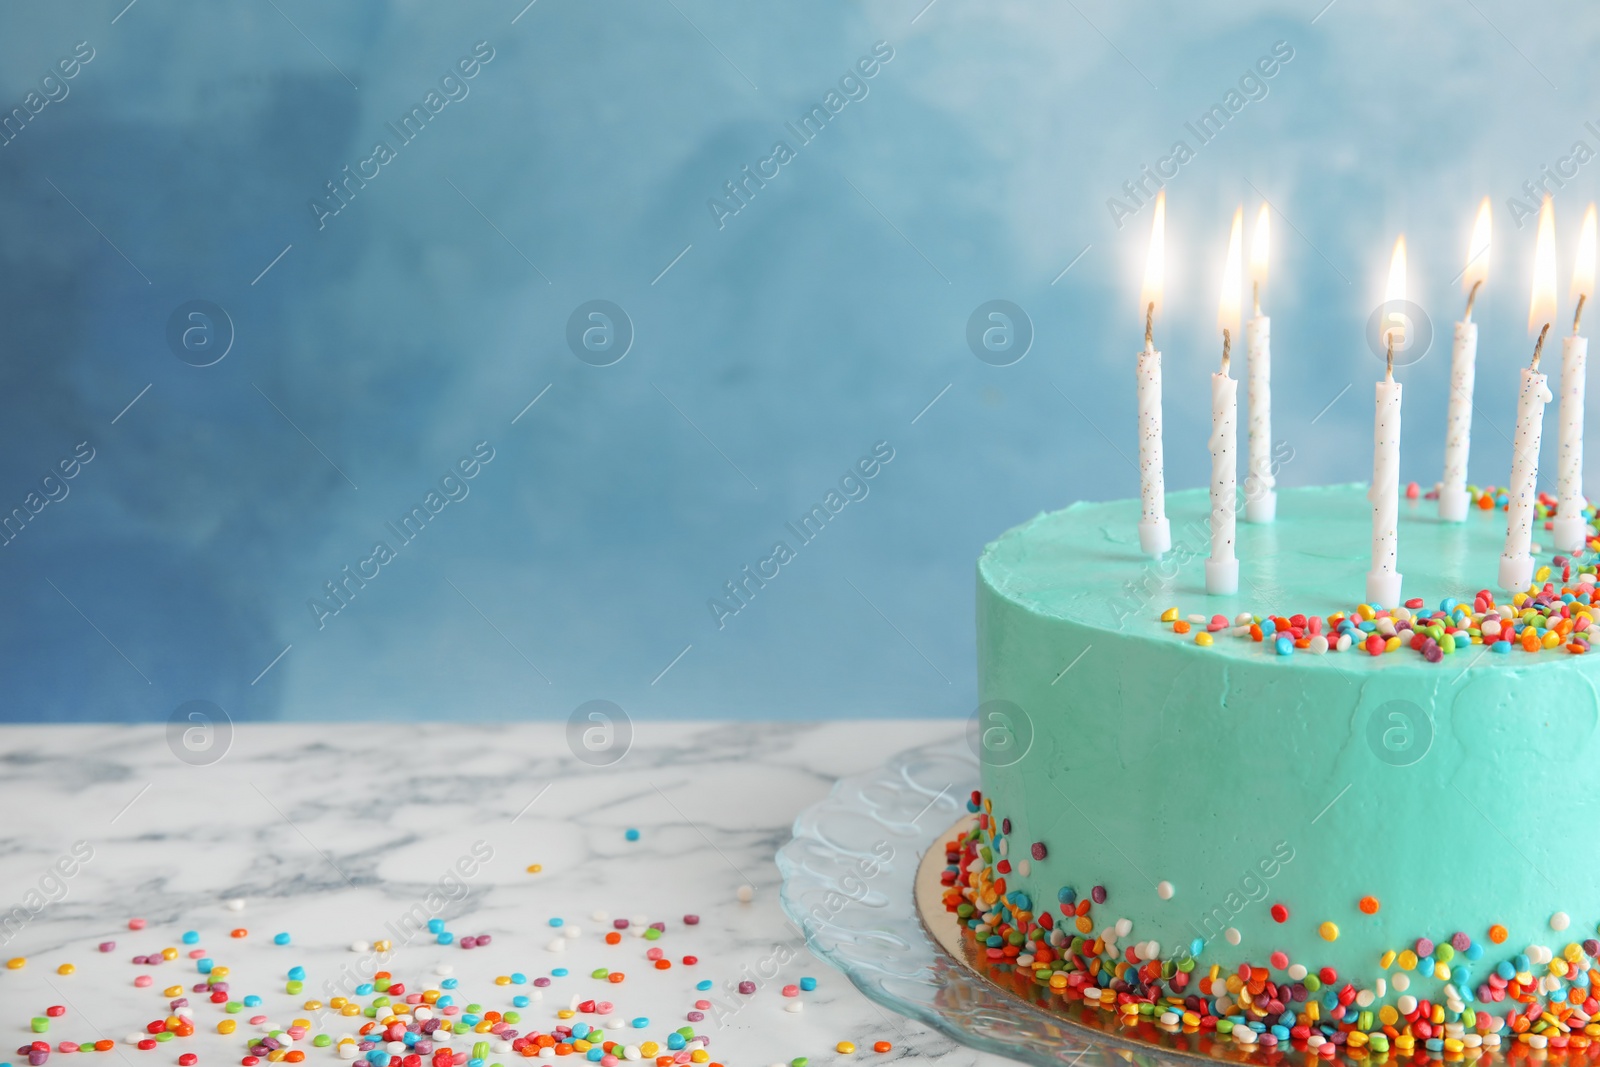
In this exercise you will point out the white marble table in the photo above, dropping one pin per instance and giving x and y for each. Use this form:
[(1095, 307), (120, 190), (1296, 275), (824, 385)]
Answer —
[(330, 833)]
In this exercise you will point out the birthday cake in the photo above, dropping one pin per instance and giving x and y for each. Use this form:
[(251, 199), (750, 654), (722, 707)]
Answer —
[(1292, 818)]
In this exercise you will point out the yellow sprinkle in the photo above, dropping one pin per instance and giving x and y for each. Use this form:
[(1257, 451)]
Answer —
[(699, 1055), (169, 953), (1551, 639), (535, 868), (1408, 960), (1441, 971), (219, 973), (226, 1026), (846, 1047), (1329, 930), (1541, 575), (312, 1005), (1203, 639), (503, 979), (378, 946), (1387, 961), (1366, 612), (1387, 1015), (172, 991), (1392, 645), (565, 1014), (16, 964), (649, 1048), (1170, 615), (66, 968)]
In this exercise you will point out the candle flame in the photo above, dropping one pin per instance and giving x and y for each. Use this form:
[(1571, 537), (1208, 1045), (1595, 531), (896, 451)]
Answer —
[(1542, 304), (1583, 266), (1155, 264), (1232, 276), (1477, 271), (1260, 246), (1394, 292)]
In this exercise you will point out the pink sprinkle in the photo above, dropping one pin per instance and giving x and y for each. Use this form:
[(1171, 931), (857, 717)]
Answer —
[(654, 954), (791, 991), (136, 924), (605, 1007), (703, 1005), (608, 1060), (1412, 491), (1279, 960), (143, 981), (197, 954), (695, 1016), (691, 920), (747, 988), (108, 946), (1039, 851), (1424, 947), (1218, 622), (257, 1020)]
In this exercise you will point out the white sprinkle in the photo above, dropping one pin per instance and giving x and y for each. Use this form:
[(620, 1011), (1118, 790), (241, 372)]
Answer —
[(558, 945), (1407, 1004), (747, 893), (1297, 971), (599, 916), (1382, 987), (444, 970), (236, 904), (1005, 847), (1124, 927), (572, 933), (1402, 982), (359, 946), (1164, 890), (1560, 921), (1245, 619), (1232, 934), (1343, 643), (1024, 868), (1201, 619), (1318, 645), (1365, 998), (795, 1006)]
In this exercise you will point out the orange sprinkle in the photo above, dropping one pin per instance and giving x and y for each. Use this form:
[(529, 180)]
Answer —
[(615, 977), (1181, 626), (1497, 933), (662, 965), (613, 938), (1368, 905), (881, 1046), (241, 932)]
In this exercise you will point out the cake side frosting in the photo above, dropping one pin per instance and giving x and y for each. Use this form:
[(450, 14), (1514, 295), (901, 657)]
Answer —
[(1313, 811)]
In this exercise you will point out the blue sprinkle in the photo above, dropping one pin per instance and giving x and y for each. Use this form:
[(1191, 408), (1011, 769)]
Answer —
[(1285, 645), (204, 965), (640, 1023), (557, 921), (703, 985), (297, 974), (283, 939), (594, 1054), (1067, 895), (581, 1029), (191, 937), (362, 990), (445, 938), (675, 1041), (518, 978), (1474, 951), (377, 1057), (808, 984), (253, 1001), (448, 983), (632, 834), (435, 926), (559, 972), (519, 1002)]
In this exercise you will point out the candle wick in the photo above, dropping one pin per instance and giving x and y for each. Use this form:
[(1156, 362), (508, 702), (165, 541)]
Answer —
[(1577, 316), (1388, 373), (1538, 345), (1149, 325), (1472, 296), (1255, 296), (1226, 343)]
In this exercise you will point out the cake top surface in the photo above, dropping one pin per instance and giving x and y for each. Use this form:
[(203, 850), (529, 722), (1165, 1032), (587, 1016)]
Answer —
[(1083, 564)]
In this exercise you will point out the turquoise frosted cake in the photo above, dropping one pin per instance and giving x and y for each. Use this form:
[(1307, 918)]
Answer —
[(1330, 827)]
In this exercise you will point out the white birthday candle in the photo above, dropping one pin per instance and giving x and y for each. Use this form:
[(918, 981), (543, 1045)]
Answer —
[(1383, 580), (1569, 530), (1260, 501), (1453, 501), (1222, 568), (1155, 532), (1516, 561)]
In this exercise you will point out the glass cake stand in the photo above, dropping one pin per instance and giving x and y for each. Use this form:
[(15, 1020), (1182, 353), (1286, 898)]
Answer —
[(862, 882)]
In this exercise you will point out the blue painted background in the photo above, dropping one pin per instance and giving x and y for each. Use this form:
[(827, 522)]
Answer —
[(773, 348)]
